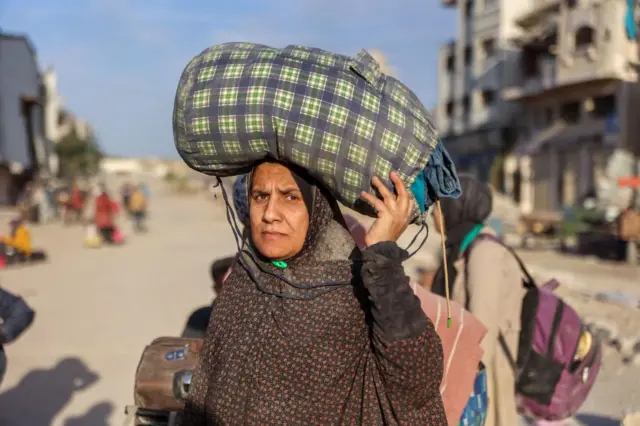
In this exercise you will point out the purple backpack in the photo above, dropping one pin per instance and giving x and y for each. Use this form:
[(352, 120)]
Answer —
[(550, 383)]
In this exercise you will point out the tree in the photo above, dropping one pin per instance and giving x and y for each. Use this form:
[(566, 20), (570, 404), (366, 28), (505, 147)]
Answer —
[(78, 156)]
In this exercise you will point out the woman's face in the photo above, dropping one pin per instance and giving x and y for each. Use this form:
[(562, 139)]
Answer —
[(278, 214)]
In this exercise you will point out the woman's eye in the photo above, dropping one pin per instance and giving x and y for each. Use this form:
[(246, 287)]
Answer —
[(292, 197), (260, 197)]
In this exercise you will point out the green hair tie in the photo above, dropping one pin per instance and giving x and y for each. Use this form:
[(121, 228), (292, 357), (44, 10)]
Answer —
[(279, 264)]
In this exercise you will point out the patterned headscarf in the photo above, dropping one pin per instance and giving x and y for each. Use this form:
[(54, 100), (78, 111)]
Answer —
[(324, 217), (240, 199)]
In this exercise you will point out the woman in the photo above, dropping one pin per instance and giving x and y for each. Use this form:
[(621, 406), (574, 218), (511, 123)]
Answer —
[(138, 208), (487, 280), (105, 215), (308, 330)]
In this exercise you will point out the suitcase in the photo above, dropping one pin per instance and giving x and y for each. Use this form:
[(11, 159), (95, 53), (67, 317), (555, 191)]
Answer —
[(164, 373)]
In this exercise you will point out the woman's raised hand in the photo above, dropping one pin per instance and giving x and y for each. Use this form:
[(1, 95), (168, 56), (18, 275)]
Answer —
[(393, 211)]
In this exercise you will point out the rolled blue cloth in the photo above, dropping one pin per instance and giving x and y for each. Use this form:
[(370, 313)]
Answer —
[(630, 21), (438, 180)]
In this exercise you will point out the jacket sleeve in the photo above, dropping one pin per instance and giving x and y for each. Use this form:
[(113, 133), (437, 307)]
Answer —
[(406, 347), (16, 316)]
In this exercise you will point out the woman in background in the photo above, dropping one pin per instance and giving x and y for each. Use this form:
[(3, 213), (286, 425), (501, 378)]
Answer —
[(105, 215), (486, 279)]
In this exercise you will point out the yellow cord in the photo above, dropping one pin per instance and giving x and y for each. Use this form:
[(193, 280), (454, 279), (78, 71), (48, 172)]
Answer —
[(444, 263)]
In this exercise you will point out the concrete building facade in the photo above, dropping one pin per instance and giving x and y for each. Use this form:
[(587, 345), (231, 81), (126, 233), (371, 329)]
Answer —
[(566, 91), (24, 148), (576, 91), (473, 119)]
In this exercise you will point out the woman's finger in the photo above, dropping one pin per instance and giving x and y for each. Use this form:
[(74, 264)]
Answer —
[(410, 205), (401, 190), (388, 197), (375, 202)]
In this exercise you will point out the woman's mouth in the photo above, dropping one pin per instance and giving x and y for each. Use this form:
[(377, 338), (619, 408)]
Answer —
[(273, 235)]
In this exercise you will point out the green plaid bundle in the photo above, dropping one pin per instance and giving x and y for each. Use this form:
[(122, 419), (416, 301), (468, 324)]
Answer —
[(338, 117)]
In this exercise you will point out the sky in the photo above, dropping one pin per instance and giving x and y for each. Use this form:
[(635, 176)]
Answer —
[(118, 61)]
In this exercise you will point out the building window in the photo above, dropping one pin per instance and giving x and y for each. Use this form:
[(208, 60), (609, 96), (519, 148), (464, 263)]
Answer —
[(468, 55), (571, 4), (584, 37), (488, 48), (529, 62), (604, 106), (548, 116), (450, 107), (469, 9), (570, 112), (488, 97), (543, 118), (466, 105), (451, 63), (607, 35)]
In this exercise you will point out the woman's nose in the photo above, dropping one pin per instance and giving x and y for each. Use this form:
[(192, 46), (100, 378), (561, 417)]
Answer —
[(272, 212)]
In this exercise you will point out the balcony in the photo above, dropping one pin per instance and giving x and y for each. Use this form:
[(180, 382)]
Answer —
[(487, 19), (532, 86), (537, 12), (449, 3)]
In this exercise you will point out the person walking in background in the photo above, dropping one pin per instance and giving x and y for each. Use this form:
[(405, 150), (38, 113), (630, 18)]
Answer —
[(487, 280), (138, 208), (41, 203), (75, 204), (24, 203), (50, 195), (145, 190), (105, 215), (16, 316), (125, 195)]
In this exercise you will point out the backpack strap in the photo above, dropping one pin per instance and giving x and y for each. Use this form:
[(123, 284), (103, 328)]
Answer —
[(528, 282), (507, 352)]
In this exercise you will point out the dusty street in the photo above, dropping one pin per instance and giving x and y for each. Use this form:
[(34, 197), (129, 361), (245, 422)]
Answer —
[(96, 309)]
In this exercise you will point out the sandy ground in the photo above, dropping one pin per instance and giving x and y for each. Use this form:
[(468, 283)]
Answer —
[(96, 310)]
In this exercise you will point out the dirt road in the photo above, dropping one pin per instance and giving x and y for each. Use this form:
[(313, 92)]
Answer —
[(96, 309)]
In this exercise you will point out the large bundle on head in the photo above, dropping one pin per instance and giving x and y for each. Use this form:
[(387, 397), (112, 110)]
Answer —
[(340, 118)]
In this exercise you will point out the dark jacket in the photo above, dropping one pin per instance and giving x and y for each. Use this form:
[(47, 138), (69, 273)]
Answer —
[(16, 317)]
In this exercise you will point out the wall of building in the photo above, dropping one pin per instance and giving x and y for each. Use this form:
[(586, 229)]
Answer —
[(561, 161), (19, 77), (53, 104), (469, 94), (609, 55), (471, 114)]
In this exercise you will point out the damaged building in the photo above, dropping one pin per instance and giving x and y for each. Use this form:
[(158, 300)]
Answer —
[(24, 149)]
